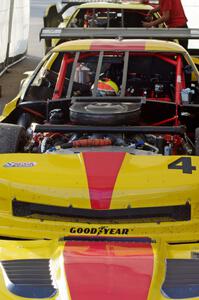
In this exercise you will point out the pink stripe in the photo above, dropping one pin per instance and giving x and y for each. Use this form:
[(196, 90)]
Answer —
[(118, 45), (108, 270), (102, 170)]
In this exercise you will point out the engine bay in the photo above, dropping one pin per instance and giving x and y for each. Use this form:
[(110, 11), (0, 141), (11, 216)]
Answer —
[(144, 103), (101, 126)]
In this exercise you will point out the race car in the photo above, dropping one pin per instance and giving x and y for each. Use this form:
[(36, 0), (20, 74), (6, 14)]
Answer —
[(99, 174), (97, 14)]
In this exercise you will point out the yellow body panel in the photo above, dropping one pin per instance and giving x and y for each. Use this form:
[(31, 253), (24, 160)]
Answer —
[(124, 5), (195, 60), (9, 107), (157, 45), (150, 45), (53, 250), (147, 181), (60, 180), (77, 45)]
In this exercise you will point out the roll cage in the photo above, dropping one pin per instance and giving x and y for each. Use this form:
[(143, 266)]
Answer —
[(65, 79), (168, 58)]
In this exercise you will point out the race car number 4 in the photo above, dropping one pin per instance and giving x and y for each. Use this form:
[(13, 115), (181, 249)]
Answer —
[(184, 164)]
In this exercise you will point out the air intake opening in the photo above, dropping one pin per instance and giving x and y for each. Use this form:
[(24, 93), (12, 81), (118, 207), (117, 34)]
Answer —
[(145, 214)]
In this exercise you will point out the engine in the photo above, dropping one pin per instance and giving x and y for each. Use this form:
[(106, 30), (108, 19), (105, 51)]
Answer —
[(103, 115), (137, 144)]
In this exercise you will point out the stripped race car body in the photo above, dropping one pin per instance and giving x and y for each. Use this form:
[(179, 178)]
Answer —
[(99, 194), (119, 226)]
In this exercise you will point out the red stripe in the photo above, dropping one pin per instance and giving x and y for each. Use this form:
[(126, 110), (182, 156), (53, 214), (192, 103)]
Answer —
[(102, 170), (118, 45), (108, 271)]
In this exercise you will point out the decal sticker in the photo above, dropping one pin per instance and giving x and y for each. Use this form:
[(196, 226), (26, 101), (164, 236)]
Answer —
[(102, 170), (179, 79), (108, 271), (99, 231), (20, 164), (184, 164)]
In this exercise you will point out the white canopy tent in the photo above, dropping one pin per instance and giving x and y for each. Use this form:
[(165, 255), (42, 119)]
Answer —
[(14, 30), (191, 8)]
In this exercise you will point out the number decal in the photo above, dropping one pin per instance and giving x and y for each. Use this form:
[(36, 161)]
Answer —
[(184, 164)]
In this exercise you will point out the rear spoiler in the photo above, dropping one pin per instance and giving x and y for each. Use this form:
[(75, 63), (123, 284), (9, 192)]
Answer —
[(155, 33), (109, 1), (90, 1)]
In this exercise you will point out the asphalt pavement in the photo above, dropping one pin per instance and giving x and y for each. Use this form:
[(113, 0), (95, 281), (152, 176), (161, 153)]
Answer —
[(10, 81)]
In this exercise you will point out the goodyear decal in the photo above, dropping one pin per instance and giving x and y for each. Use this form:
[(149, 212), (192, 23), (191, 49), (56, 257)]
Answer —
[(103, 230)]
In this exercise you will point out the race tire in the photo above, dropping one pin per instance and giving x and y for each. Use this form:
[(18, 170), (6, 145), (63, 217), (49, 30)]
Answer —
[(197, 141), (12, 138)]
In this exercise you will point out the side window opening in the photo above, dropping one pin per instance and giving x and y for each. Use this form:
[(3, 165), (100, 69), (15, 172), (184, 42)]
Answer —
[(150, 76), (44, 83), (147, 75), (105, 18)]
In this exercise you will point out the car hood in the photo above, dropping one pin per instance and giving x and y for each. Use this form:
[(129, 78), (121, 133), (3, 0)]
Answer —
[(137, 268), (101, 188)]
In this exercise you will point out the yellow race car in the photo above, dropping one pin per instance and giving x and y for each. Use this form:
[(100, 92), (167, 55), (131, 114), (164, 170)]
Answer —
[(99, 175), (97, 14)]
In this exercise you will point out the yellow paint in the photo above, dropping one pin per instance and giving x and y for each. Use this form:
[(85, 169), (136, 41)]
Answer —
[(9, 107), (150, 45), (125, 5), (165, 46), (195, 60), (65, 181), (77, 45), (147, 181), (61, 180)]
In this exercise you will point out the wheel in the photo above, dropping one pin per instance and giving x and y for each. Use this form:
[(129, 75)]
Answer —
[(197, 141), (12, 138)]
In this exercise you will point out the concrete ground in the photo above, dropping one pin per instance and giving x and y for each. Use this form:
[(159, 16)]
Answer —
[(10, 81)]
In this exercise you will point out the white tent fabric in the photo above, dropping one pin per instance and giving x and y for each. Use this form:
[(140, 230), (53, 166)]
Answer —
[(14, 16), (191, 8), (20, 27), (4, 21)]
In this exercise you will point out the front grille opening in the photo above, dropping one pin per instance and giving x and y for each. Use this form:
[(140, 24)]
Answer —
[(132, 215)]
